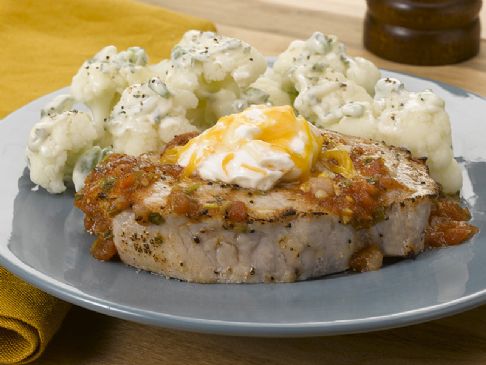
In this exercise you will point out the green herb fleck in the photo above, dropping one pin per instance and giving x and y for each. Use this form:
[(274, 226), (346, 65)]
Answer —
[(158, 240), (107, 184), (192, 188), (108, 235), (155, 218)]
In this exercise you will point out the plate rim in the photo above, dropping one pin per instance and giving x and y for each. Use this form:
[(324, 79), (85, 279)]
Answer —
[(71, 294), (261, 329)]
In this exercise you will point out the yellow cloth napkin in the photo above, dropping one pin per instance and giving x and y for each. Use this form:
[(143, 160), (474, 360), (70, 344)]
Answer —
[(42, 44), (28, 319)]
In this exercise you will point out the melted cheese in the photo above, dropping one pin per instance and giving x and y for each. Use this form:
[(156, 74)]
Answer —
[(254, 149)]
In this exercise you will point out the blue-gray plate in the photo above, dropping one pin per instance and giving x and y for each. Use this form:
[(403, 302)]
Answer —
[(42, 240)]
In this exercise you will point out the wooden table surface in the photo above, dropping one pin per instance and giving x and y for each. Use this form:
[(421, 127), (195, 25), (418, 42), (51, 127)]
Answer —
[(91, 338)]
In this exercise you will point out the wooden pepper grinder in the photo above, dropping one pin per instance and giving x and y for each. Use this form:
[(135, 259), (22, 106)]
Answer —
[(423, 32)]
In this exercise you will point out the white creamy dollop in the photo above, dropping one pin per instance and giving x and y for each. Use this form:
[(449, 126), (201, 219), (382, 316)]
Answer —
[(254, 149)]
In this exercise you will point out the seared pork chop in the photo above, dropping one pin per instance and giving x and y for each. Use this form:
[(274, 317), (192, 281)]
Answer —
[(363, 197)]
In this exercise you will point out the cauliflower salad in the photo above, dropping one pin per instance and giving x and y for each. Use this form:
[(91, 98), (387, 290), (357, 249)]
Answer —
[(135, 107)]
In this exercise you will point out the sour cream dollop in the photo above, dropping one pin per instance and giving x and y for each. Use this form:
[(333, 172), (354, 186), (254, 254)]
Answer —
[(255, 149)]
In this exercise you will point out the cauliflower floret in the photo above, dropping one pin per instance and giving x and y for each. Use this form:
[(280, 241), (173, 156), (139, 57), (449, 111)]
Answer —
[(358, 119), (418, 121), (181, 84), (225, 102), (208, 73), (325, 50), (146, 117), (172, 126), (216, 57), (54, 144), (323, 92), (58, 105), (101, 79), (362, 72), (267, 89)]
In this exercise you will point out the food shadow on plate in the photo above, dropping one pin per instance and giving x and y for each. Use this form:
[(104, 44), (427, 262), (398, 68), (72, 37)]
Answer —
[(48, 235)]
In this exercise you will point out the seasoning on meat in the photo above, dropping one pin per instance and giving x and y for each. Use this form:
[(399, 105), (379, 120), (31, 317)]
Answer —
[(360, 205), (448, 224), (369, 258)]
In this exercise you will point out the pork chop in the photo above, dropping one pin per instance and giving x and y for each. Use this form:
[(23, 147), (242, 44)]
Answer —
[(362, 194)]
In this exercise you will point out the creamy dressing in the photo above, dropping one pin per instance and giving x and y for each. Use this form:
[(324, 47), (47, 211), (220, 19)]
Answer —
[(102, 78), (320, 52), (145, 118), (210, 76), (54, 145), (254, 149)]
